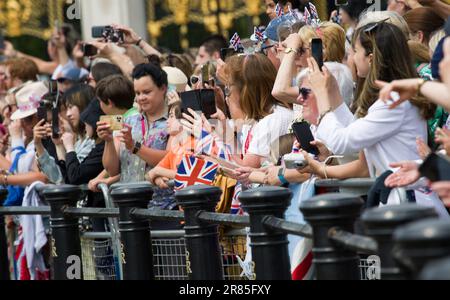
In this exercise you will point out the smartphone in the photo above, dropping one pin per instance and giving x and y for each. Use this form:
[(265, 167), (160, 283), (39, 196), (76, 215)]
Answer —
[(208, 102), (436, 168), (55, 123), (89, 50), (317, 51), (2, 41), (53, 87), (98, 31), (42, 112), (199, 100), (304, 136), (205, 73), (116, 122)]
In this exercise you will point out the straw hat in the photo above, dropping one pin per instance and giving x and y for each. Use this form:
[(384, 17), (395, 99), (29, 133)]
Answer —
[(28, 99)]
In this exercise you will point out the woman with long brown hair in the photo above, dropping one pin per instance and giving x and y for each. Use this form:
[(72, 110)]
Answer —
[(382, 136)]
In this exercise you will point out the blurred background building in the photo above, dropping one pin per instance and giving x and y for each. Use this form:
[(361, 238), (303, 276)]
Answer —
[(172, 24)]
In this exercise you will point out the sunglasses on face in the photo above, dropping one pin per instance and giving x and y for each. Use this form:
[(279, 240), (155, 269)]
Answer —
[(195, 79), (305, 93)]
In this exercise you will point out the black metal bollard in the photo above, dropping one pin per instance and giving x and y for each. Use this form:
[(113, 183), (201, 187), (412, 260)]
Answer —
[(66, 247), (136, 256), (203, 254), (323, 213), (269, 247), (419, 243), (4, 262), (380, 224)]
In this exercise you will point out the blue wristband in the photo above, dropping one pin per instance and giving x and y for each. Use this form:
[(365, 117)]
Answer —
[(282, 178)]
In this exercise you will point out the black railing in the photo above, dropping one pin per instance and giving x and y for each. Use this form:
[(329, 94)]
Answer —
[(396, 234)]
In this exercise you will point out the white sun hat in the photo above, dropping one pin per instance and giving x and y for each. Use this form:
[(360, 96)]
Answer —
[(28, 99)]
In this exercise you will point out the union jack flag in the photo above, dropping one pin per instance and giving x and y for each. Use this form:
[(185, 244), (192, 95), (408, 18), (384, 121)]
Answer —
[(313, 9), (205, 145), (235, 41), (307, 16), (195, 171), (279, 10), (259, 34), (224, 151)]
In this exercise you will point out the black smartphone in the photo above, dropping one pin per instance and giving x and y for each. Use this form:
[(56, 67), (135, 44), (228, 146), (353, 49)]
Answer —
[(208, 102), (205, 73), (436, 168), (2, 41), (317, 51), (55, 123), (98, 32), (42, 112), (53, 87), (89, 50), (200, 101), (190, 100), (302, 131)]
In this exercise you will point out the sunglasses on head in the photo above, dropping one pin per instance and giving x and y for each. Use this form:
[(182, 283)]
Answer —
[(374, 26), (305, 92)]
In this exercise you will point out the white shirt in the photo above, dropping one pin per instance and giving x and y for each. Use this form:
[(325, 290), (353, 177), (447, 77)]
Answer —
[(269, 129), (386, 135)]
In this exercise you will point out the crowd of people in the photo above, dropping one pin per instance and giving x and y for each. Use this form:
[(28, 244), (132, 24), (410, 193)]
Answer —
[(378, 107)]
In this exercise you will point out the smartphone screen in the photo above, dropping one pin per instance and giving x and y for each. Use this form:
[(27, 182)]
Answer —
[(190, 100), (436, 168), (304, 136), (55, 123), (42, 112), (2, 42), (208, 102), (317, 51), (205, 73), (89, 50)]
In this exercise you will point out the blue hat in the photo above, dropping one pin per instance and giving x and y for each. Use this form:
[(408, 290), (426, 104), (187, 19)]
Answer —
[(73, 74), (272, 29), (438, 56)]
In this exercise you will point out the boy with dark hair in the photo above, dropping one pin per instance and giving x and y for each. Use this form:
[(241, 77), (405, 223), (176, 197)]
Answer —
[(116, 95)]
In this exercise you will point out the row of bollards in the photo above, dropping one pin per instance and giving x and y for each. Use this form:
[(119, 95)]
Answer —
[(408, 236)]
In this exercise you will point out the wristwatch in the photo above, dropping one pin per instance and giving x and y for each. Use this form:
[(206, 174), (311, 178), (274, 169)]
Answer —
[(137, 148), (289, 50), (281, 177)]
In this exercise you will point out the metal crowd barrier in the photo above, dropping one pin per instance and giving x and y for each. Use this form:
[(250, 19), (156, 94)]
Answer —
[(402, 242)]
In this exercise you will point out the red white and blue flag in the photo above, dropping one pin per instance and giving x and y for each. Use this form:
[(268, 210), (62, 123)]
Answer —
[(279, 10), (205, 144), (302, 267), (313, 10), (259, 34), (195, 171), (235, 41), (236, 208), (307, 17)]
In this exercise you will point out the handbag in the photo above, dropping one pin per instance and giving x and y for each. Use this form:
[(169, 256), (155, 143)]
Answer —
[(15, 193)]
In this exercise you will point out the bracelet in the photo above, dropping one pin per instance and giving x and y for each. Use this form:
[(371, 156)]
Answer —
[(419, 87), (5, 179), (139, 42), (281, 177)]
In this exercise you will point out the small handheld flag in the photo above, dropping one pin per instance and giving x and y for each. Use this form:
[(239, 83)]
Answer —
[(279, 10), (195, 171), (259, 34), (313, 10), (235, 42), (307, 17)]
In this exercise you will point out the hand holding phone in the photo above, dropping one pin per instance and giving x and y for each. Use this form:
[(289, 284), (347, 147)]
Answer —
[(317, 51), (304, 136)]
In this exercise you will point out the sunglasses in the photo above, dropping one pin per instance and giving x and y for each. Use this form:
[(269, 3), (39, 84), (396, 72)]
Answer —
[(372, 27), (305, 93), (195, 79)]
